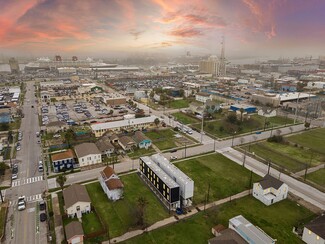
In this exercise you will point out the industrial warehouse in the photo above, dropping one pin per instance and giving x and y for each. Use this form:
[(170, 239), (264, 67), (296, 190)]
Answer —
[(173, 187)]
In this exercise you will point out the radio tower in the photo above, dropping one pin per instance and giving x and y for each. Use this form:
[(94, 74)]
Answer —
[(222, 60)]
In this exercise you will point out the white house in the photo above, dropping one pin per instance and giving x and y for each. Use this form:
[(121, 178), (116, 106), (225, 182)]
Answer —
[(202, 97), (314, 232), (88, 154), (76, 200), (270, 190), (111, 184)]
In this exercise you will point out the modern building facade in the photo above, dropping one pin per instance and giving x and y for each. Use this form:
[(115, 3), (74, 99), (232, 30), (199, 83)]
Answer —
[(165, 188)]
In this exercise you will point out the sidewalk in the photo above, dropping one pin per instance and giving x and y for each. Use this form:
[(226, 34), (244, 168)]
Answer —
[(310, 170), (173, 220), (59, 233)]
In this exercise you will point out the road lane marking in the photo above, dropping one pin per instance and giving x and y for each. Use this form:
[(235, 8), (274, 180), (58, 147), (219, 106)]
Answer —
[(25, 181)]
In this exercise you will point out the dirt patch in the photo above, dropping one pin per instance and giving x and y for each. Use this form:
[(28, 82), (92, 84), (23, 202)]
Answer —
[(304, 203)]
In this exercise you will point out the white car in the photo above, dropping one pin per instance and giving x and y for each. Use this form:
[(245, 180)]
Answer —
[(21, 203), (173, 157), (18, 148), (14, 176), (57, 136)]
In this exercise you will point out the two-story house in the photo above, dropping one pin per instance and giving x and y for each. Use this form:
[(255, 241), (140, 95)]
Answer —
[(88, 154), (111, 184), (76, 200), (270, 190)]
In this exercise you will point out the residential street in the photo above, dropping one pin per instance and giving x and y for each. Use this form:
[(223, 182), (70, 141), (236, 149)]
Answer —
[(24, 226)]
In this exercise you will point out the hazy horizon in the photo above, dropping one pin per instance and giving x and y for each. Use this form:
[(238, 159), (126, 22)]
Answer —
[(113, 28)]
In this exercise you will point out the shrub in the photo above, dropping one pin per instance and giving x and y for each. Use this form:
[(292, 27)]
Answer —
[(276, 139)]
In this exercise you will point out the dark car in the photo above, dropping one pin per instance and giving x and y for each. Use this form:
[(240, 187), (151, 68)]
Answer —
[(42, 205), (42, 217), (173, 150)]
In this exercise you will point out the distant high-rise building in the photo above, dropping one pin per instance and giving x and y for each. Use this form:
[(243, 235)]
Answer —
[(209, 66), (14, 66), (222, 60)]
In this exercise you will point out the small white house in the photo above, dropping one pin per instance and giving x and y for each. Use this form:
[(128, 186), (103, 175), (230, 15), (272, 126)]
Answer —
[(76, 200), (202, 97), (270, 190), (314, 232), (88, 154), (111, 184)]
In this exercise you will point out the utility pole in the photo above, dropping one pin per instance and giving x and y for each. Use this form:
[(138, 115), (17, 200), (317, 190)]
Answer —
[(208, 193), (268, 169), (233, 137), (296, 112), (245, 157)]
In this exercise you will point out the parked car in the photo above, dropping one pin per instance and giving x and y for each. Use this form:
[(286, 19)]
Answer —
[(42, 205), (173, 157), (42, 217), (173, 150), (14, 177)]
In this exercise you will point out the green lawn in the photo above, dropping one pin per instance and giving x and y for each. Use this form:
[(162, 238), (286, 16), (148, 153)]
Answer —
[(318, 177), (185, 119), (292, 158), (276, 220), (226, 178), (313, 139), (217, 127), (141, 152), (163, 139), (178, 104), (279, 159), (119, 216), (91, 223)]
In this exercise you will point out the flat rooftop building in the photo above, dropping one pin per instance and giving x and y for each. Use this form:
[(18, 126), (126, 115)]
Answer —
[(186, 183), (249, 232), (129, 124)]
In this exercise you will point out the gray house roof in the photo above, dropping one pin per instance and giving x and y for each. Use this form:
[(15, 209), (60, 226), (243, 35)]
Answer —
[(139, 137), (269, 181), (104, 144), (73, 229), (127, 141), (85, 149), (75, 193), (317, 226)]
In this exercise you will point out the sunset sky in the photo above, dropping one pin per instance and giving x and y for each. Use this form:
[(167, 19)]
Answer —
[(120, 27)]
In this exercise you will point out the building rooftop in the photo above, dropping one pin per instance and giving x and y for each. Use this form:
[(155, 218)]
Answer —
[(85, 149), (113, 184), (75, 193), (159, 172), (248, 231), (227, 236), (63, 155), (175, 173), (269, 181), (317, 226), (72, 229), (122, 123)]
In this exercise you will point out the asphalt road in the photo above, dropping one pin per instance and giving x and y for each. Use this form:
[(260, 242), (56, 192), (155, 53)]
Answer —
[(24, 226)]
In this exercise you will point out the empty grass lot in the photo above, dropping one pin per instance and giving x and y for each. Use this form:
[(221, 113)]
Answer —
[(317, 177), (139, 152), (256, 123), (119, 216), (163, 139), (175, 104), (276, 220), (313, 139), (292, 158), (226, 178), (185, 119)]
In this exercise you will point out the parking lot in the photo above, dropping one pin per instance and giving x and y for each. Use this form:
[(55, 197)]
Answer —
[(73, 112)]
